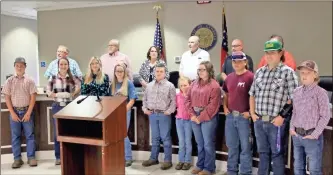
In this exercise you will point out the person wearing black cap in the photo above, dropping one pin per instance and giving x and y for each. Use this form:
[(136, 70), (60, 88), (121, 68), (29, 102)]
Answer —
[(20, 95)]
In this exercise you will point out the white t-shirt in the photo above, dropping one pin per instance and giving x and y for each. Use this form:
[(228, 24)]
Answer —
[(190, 62)]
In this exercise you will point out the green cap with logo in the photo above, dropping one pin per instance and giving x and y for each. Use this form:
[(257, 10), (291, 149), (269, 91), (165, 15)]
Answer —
[(272, 45)]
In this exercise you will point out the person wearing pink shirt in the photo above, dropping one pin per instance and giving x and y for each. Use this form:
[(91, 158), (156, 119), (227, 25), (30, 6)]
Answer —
[(114, 57), (202, 102), (184, 127)]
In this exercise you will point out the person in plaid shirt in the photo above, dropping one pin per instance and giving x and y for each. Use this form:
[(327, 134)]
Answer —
[(270, 102), (62, 88), (20, 94), (311, 114)]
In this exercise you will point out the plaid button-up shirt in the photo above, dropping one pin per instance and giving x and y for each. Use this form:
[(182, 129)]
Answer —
[(272, 89), (58, 84)]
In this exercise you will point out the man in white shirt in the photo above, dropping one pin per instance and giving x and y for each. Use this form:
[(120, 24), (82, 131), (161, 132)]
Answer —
[(192, 58)]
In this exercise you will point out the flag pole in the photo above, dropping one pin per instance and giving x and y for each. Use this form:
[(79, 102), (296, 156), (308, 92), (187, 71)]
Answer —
[(157, 8)]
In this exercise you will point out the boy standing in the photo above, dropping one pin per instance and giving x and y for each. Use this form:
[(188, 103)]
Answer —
[(20, 94)]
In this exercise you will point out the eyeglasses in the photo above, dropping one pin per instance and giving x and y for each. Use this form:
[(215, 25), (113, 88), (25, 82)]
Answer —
[(235, 45), (201, 70)]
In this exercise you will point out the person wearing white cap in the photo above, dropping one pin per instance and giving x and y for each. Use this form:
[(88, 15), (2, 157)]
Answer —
[(311, 114)]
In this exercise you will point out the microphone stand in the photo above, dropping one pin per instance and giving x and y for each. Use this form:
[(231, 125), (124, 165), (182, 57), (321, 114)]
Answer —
[(97, 90)]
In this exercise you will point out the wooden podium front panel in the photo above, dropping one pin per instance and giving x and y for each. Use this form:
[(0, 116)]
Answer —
[(72, 159), (113, 157)]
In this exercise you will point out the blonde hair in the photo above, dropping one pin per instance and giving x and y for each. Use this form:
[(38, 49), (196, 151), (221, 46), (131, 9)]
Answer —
[(63, 47), (182, 79), (124, 87), (99, 75)]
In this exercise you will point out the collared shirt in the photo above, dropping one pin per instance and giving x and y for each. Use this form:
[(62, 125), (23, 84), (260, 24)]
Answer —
[(206, 95), (91, 88), (181, 108), (53, 69), (160, 96), (227, 65), (189, 63), (110, 61), (145, 72), (19, 89), (58, 84), (272, 89), (310, 109)]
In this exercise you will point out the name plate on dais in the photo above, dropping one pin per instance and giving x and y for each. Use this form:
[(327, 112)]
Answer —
[(207, 35)]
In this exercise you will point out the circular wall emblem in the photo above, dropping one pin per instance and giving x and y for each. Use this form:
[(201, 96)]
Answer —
[(207, 35)]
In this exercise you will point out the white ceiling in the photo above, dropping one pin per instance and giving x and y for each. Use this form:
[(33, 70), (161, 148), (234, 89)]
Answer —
[(28, 9)]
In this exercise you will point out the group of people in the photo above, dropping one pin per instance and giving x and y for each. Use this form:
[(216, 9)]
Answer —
[(270, 98)]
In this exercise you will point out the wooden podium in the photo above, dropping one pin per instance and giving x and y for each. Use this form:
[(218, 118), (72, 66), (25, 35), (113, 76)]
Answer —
[(91, 136)]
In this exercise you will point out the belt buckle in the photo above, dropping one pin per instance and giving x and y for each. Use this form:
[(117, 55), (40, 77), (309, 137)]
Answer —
[(265, 118), (235, 113)]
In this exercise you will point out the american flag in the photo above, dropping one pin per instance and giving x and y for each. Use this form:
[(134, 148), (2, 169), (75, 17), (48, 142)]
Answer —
[(224, 47), (158, 42)]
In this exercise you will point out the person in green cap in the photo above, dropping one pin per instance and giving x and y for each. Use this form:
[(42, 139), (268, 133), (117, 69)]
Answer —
[(270, 107)]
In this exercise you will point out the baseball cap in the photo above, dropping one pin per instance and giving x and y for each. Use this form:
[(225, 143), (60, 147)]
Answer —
[(20, 60), (309, 64), (238, 55), (272, 45)]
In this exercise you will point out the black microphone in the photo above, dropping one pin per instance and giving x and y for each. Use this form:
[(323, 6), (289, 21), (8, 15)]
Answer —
[(81, 100), (98, 99)]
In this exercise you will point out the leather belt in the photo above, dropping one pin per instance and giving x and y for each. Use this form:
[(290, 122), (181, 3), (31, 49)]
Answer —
[(198, 109), (21, 108), (302, 132), (236, 113), (265, 118), (156, 111)]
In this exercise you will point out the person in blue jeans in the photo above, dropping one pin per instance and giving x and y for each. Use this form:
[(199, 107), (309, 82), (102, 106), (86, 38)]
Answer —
[(20, 95), (159, 102), (184, 126), (62, 87), (202, 102), (122, 86), (236, 108), (270, 100), (310, 116)]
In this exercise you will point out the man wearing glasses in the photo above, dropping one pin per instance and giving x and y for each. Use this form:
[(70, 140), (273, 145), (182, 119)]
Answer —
[(237, 45)]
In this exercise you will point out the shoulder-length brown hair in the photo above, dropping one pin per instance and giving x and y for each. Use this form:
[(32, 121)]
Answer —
[(70, 75), (209, 68), (157, 50)]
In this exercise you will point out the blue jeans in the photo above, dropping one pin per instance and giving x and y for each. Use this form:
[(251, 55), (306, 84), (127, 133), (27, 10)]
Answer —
[(184, 132), (16, 131), (128, 147), (266, 135), (204, 134), (310, 148), (56, 108), (160, 131), (237, 133)]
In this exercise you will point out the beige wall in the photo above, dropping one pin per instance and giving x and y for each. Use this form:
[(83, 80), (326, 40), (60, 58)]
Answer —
[(305, 26), (18, 38)]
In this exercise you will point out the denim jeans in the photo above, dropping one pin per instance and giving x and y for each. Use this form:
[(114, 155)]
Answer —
[(56, 108), (237, 134), (266, 134), (128, 147), (16, 131), (184, 132), (160, 131), (308, 148), (204, 134)]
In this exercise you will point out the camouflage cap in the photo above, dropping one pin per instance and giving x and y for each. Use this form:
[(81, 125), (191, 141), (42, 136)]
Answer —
[(272, 45), (309, 64)]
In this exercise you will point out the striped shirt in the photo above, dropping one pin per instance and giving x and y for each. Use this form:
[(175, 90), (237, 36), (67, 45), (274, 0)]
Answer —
[(204, 94), (53, 68), (19, 89), (310, 109), (272, 89), (160, 96), (58, 84)]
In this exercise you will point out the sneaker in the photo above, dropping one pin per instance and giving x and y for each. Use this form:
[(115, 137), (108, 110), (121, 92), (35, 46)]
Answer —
[(186, 166), (32, 162), (128, 163), (196, 170), (58, 162), (149, 163), (17, 163), (179, 166), (166, 165)]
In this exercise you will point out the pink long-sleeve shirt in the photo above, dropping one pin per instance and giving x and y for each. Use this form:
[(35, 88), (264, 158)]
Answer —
[(181, 108)]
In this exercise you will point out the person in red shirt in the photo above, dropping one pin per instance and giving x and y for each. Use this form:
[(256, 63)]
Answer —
[(289, 58)]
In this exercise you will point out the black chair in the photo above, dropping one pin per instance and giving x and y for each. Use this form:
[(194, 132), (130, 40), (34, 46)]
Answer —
[(326, 82), (174, 76)]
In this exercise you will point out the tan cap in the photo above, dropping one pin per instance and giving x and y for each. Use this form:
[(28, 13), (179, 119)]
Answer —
[(310, 65)]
